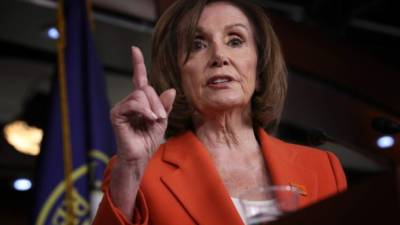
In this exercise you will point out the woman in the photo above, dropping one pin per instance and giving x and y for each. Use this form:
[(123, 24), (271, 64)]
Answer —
[(220, 72)]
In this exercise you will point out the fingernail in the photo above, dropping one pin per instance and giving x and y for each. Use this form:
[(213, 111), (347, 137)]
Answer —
[(154, 116), (163, 114)]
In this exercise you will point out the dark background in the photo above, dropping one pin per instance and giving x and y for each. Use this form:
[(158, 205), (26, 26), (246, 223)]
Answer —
[(343, 57)]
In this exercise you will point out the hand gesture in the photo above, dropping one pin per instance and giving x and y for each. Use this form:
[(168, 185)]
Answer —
[(140, 119)]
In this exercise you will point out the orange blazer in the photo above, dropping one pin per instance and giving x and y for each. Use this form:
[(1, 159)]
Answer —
[(181, 185)]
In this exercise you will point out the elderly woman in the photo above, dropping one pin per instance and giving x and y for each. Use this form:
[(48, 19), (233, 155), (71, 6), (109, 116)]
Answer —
[(220, 72)]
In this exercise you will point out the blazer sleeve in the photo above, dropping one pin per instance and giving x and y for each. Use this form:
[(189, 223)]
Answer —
[(340, 177), (109, 214)]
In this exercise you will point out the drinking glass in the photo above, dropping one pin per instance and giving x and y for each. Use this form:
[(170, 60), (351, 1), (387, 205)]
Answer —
[(261, 205)]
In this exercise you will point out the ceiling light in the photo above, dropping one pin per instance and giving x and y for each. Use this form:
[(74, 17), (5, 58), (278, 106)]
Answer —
[(52, 33), (23, 138), (385, 141), (22, 184)]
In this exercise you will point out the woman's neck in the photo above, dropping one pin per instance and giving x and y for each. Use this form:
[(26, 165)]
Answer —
[(231, 142), (226, 132)]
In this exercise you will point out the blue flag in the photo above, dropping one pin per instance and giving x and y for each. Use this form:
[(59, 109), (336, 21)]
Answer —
[(78, 139)]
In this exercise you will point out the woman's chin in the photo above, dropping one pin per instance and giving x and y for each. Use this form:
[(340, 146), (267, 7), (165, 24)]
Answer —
[(225, 104)]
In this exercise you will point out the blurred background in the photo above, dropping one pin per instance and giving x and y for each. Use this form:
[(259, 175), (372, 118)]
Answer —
[(343, 59)]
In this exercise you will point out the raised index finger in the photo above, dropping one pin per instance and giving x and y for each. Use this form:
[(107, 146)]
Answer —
[(139, 76)]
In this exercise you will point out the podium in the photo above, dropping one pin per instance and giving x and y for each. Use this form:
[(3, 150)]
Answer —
[(376, 201)]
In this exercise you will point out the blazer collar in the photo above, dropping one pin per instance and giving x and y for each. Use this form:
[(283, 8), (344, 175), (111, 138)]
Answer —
[(285, 168), (196, 183), (198, 187)]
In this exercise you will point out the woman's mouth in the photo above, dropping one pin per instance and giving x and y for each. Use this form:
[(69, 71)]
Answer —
[(219, 81)]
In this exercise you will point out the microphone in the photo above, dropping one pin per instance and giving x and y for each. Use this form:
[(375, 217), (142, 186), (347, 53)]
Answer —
[(301, 135), (316, 137), (385, 125)]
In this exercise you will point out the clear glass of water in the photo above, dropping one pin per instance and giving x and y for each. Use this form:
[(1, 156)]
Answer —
[(262, 205)]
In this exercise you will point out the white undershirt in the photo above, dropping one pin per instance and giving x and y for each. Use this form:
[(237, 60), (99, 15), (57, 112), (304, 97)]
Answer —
[(267, 206)]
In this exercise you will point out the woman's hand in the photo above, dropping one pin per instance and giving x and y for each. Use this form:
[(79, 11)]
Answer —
[(139, 123), (140, 119)]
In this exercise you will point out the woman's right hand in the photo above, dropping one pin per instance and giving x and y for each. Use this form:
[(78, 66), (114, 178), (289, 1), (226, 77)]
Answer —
[(140, 119), (139, 123)]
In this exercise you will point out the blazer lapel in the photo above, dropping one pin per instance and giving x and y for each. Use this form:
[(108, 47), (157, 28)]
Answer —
[(280, 158), (196, 183), (198, 187)]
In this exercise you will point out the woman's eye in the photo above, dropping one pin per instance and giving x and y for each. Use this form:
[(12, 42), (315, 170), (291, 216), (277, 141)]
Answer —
[(198, 44), (235, 42)]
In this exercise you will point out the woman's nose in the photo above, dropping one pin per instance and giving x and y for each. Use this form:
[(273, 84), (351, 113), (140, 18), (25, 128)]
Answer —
[(219, 58), (219, 61)]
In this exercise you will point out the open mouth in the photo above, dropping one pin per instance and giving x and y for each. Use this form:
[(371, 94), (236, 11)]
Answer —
[(219, 80)]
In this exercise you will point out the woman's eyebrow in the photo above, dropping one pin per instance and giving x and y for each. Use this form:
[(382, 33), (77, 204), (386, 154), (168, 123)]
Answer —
[(227, 27), (199, 30)]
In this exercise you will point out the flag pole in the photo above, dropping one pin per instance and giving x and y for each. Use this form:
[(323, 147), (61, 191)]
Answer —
[(67, 153)]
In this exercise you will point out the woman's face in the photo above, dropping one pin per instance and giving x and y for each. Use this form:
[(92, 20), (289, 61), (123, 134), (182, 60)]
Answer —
[(220, 73)]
